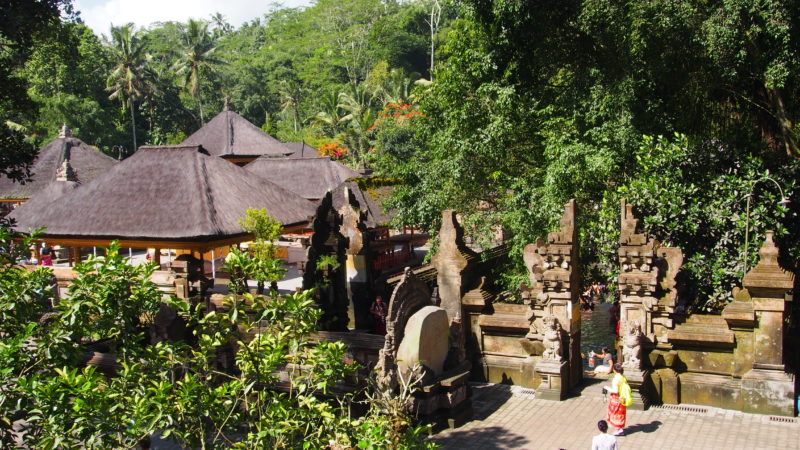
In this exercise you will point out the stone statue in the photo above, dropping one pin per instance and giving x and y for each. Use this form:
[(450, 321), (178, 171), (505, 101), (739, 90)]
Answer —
[(632, 345), (552, 339)]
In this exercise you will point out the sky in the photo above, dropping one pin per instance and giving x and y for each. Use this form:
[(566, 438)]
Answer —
[(100, 14)]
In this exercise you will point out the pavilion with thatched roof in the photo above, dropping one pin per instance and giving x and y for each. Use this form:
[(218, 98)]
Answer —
[(310, 178), (234, 138), (170, 197), (68, 156)]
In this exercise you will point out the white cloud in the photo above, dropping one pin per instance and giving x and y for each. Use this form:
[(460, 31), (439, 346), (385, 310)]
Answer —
[(100, 14)]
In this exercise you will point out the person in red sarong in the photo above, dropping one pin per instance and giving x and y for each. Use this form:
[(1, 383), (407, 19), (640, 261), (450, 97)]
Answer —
[(47, 257), (616, 410), (379, 310)]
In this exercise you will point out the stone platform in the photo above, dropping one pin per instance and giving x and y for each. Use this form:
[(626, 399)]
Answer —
[(508, 417)]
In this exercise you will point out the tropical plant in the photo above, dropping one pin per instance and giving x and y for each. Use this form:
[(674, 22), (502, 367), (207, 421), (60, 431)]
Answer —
[(197, 59), (129, 80)]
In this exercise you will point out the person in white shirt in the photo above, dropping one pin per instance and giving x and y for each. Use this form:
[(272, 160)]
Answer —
[(604, 441)]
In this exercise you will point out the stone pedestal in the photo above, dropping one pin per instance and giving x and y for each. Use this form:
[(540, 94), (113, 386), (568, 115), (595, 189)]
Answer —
[(640, 382), (767, 388), (555, 380)]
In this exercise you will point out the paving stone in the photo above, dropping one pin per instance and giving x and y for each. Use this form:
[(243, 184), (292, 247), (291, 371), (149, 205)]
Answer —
[(521, 422)]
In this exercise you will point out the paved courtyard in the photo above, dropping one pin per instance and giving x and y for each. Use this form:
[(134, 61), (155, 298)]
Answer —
[(511, 417)]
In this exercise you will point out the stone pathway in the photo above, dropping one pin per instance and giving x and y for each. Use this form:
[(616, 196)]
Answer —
[(508, 417)]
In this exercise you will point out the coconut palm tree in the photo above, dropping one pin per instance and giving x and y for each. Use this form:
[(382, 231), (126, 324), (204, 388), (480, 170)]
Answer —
[(196, 59), (129, 80)]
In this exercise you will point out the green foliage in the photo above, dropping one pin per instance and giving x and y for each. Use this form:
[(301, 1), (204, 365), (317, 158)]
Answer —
[(261, 263), (184, 392), (534, 106), (693, 196)]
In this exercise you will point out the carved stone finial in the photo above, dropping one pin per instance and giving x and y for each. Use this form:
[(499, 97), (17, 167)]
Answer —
[(767, 275), (65, 172), (64, 132), (768, 251)]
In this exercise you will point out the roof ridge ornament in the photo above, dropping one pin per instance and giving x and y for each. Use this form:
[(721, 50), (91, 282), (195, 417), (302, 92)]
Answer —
[(64, 132), (66, 172)]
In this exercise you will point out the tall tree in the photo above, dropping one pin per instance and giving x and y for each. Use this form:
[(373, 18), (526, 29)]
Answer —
[(21, 21), (129, 79), (197, 59)]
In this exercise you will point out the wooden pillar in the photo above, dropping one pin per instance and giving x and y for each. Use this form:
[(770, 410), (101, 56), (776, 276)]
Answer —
[(157, 257), (213, 266)]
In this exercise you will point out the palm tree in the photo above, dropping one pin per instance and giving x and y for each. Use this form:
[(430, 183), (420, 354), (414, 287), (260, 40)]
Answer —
[(359, 103), (129, 80), (291, 94), (330, 114), (198, 47)]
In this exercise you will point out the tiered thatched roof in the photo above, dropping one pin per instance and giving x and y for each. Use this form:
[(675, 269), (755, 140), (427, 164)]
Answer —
[(86, 162), (230, 135), (310, 178), (165, 193)]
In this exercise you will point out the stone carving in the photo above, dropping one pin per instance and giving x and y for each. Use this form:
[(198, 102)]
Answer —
[(648, 280), (451, 261), (410, 295), (552, 294), (552, 339), (353, 228), (632, 345), (65, 172), (64, 132)]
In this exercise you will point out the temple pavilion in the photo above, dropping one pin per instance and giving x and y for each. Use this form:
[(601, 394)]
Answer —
[(169, 197), (67, 157), (234, 138)]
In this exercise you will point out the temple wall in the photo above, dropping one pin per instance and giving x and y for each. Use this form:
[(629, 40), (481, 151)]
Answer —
[(733, 360), (497, 344)]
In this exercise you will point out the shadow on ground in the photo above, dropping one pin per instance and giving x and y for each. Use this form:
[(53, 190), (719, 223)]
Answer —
[(590, 385), (643, 427), (488, 437), (487, 398)]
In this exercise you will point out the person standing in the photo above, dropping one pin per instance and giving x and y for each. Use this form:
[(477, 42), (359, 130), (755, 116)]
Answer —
[(616, 410), (604, 441), (379, 312), (47, 257)]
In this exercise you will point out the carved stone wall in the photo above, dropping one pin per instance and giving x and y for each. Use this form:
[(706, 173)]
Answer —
[(552, 293), (649, 297), (733, 360)]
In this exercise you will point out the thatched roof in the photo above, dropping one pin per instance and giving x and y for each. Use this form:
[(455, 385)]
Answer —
[(165, 193), (229, 135), (310, 178), (301, 150), (369, 201), (45, 196), (86, 162)]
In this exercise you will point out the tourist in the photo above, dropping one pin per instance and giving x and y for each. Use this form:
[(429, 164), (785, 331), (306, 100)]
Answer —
[(47, 258), (607, 361), (613, 317), (603, 441), (616, 410), (379, 311)]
